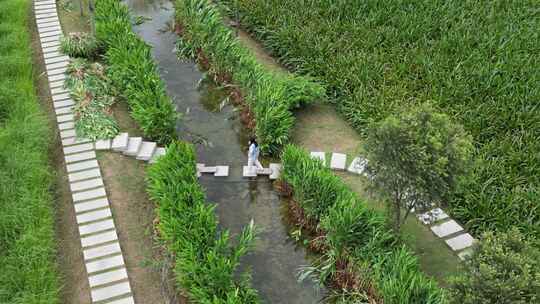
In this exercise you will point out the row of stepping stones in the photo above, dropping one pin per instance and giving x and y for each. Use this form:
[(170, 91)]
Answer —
[(439, 221), (101, 250), (132, 146)]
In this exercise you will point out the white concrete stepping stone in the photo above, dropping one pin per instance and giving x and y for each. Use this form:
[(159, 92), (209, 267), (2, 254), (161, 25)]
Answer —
[(51, 38), (82, 166), (86, 184), (103, 144), (46, 34), (57, 91), (64, 103), (50, 44), (128, 300), (65, 110), (67, 133), (104, 264), (222, 171), (94, 216), (157, 154), (60, 97), (41, 7), (82, 175), (432, 216), (66, 125), (64, 118), (51, 52), (466, 254), (91, 205), (57, 65), (96, 227), (88, 195), (101, 294), (276, 171), (358, 165), (134, 144), (264, 171), (57, 84), (460, 242), (107, 277), (205, 169), (80, 156), (120, 142), (47, 16), (41, 11), (78, 148), (46, 20), (249, 172), (52, 28), (74, 141), (101, 251), (97, 239), (446, 228), (57, 77), (338, 161), (54, 72), (146, 151), (319, 155), (42, 25)]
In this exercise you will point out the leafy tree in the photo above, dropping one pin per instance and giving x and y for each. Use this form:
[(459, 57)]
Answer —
[(504, 268), (416, 158)]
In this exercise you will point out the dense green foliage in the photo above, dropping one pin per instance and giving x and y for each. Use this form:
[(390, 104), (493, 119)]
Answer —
[(27, 247), (416, 158), (270, 95), (79, 45), (476, 60), (356, 236), (92, 92), (504, 268), (206, 262), (133, 71)]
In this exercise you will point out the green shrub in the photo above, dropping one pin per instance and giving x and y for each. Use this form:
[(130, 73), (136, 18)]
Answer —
[(270, 96), (79, 45), (206, 261), (504, 268), (133, 71)]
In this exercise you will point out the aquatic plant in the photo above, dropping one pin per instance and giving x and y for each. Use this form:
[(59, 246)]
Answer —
[(79, 45), (206, 259), (133, 71)]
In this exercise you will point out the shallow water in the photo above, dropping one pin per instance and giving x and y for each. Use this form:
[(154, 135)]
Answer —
[(221, 140)]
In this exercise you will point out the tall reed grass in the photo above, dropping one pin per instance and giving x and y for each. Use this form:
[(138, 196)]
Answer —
[(28, 270)]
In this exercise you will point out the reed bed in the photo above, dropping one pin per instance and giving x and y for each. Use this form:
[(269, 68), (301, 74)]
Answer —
[(28, 270)]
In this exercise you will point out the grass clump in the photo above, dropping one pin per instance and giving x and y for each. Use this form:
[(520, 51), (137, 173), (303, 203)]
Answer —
[(362, 259), (28, 271), (476, 60), (133, 71), (79, 45), (206, 261), (270, 96)]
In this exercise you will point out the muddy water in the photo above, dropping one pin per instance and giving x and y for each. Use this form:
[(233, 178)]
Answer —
[(221, 139)]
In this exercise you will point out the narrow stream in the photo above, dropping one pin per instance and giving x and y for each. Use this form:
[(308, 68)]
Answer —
[(221, 140)]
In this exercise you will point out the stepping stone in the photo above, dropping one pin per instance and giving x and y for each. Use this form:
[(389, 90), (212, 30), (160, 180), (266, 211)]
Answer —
[(157, 154), (120, 142), (338, 161), (52, 28), (66, 125), (107, 277), (446, 228), (91, 205), (46, 20), (60, 97), (44, 23), (222, 171), (319, 155), (101, 251), (57, 91), (460, 242), (86, 184), (40, 7), (97, 239), (93, 216), (47, 16), (110, 291), (43, 27), (50, 44), (57, 65), (465, 254), (78, 148), (92, 173), (276, 171), (65, 110), (264, 171), (42, 11), (103, 144), (64, 118), (249, 172), (82, 166), (51, 52), (64, 59), (67, 133), (432, 216), (128, 300), (134, 144), (57, 77), (104, 264), (208, 169), (88, 195), (64, 103), (146, 151), (56, 84), (74, 141), (80, 156), (358, 165), (96, 227), (51, 33), (51, 38), (59, 71)]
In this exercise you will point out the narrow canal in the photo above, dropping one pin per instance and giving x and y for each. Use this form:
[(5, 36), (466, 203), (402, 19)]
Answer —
[(221, 140)]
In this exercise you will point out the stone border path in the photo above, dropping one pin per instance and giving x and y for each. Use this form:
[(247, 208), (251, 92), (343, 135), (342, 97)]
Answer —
[(102, 254)]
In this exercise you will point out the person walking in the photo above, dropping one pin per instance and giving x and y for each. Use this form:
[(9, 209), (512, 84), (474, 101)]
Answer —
[(253, 155)]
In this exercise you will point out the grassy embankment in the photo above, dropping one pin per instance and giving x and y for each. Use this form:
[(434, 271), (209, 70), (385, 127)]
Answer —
[(28, 271)]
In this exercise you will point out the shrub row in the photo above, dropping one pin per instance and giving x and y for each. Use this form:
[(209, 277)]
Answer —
[(206, 262), (270, 95), (133, 71), (477, 60), (28, 271), (355, 236)]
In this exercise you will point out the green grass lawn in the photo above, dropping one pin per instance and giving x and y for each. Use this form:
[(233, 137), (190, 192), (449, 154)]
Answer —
[(28, 272)]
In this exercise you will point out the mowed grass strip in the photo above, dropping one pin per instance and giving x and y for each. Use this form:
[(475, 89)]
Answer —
[(476, 60), (28, 272)]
